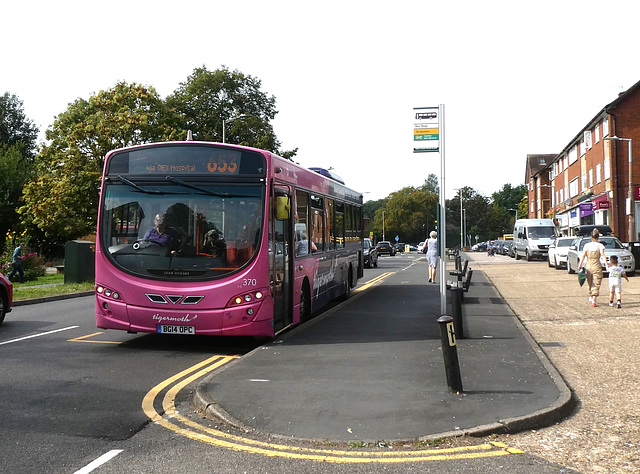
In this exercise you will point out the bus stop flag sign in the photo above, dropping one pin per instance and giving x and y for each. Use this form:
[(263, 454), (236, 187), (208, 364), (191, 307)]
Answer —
[(426, 129)]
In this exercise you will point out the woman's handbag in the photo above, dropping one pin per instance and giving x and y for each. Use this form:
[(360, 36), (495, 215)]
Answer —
[(582, 276)]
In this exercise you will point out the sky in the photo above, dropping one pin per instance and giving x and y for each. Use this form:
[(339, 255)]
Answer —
[(515, 78)]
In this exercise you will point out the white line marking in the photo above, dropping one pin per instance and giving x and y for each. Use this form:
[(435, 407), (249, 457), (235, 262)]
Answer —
[(99, 462), (259, 380), (37, 335)]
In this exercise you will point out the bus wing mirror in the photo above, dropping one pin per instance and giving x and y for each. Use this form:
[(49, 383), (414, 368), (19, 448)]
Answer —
[(283, 207)]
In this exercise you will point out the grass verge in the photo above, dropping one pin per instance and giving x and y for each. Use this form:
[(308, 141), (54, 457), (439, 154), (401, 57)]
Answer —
[(48, 285)]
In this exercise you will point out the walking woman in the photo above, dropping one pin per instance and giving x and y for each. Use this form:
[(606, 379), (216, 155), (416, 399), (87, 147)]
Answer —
[(593, 253), (432, 255)]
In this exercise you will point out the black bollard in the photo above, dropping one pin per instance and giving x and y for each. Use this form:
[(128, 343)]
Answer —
[(450, 353), (456, 311)]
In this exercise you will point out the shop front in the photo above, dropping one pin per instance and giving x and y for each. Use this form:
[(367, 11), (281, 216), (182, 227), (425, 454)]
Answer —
[(601, 209)]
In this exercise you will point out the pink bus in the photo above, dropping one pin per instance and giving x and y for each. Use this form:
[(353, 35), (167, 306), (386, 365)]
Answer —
[(214, 239)]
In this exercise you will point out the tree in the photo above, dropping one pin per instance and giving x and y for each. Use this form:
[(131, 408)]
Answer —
[(505, 202), (409, 213), (15, 128), (509, 197), (431, 184), (479, 217), (62, 199), (14, 173), (17, 148), (210, 99)]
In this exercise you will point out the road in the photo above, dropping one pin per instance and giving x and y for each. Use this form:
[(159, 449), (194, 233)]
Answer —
[(78, 399)]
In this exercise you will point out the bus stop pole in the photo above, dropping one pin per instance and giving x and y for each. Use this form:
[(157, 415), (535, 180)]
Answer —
[(442, 222)]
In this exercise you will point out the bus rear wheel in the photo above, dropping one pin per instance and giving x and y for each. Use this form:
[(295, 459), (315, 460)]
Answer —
[(347, 292), (305, 304)]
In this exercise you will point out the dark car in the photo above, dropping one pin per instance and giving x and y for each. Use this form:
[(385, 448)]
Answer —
[(498, 246), (480, 247), (370, 254), (507, 248), (385, 247), (6, 296), (399, 247), (512, 249)]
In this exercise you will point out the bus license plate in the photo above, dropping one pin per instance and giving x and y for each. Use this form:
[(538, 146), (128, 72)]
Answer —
[(169, 329)]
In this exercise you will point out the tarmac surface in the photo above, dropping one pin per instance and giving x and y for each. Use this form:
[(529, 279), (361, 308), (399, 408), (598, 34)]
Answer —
[(372, 369)]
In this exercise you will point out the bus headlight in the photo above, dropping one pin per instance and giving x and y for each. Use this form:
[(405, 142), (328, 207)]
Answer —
[(246, 298), (108, 292)]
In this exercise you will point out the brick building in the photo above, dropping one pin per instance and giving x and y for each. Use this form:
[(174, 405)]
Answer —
[(589, 181)]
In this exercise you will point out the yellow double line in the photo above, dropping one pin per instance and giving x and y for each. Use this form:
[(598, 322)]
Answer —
[(175, 422), (373, 281)]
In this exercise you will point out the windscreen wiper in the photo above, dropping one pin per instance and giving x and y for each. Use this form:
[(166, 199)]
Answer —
[(136, 187), (197, 188)]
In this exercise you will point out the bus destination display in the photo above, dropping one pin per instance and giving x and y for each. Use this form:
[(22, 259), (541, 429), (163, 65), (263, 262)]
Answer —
[(186, 160)]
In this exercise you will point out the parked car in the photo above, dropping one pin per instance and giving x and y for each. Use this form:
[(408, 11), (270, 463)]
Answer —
[(612, 246), (558, 252), (507, 248), (399, 247), (512, 249), (6, 296), (480, 247), (370, 254), (421, 246), (385, 247)]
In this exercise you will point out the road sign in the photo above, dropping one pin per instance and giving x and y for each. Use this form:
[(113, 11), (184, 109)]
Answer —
[(426, 127), (426, 134)]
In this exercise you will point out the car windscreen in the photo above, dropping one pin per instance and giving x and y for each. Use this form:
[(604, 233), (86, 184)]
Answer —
[(542, 232), (611, 243), (608, 242), (563, 243)]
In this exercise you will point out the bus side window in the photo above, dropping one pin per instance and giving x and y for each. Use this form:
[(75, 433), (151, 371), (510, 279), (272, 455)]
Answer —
[(339, 225), (301, 224), (317, 224), (330, 229)]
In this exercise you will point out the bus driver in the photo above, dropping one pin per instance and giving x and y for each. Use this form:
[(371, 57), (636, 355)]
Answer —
[(158, 235)]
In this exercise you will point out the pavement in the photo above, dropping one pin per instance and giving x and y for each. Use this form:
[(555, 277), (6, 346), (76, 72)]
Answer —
[(372, 369)]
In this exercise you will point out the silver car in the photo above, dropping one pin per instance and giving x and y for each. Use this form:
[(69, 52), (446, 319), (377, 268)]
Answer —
[(612, 246), (558, 252)]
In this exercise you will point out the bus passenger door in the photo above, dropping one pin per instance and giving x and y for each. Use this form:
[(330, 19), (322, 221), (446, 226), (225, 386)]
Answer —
[(281, 244)]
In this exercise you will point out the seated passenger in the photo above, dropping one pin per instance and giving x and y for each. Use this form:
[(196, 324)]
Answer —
[(214, 244)]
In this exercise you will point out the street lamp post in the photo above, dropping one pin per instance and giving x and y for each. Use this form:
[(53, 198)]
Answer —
[(630, 190), (461, 221), (516, 215), (383, 226), (224, 125), (464, 220)]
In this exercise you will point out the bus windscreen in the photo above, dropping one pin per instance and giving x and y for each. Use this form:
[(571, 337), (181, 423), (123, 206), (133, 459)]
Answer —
[(166, 230)]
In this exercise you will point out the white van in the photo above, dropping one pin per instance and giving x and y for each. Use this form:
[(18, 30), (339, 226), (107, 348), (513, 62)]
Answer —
[(532, 237)]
